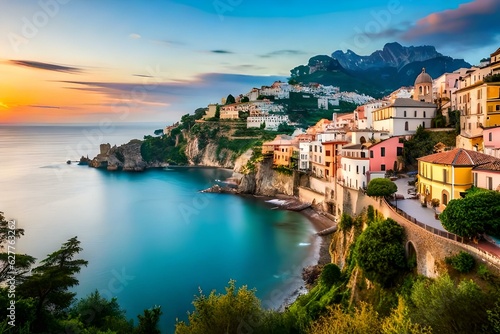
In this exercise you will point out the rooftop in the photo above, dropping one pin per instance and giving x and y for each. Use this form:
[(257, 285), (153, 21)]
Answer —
[(490, 166), (459, 157)]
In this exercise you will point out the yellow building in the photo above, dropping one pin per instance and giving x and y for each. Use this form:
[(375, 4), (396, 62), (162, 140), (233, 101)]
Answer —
[(283, 149), (478, 100), (445, 175)]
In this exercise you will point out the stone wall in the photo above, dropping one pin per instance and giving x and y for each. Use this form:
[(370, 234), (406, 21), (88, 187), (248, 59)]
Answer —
[(431, 249)]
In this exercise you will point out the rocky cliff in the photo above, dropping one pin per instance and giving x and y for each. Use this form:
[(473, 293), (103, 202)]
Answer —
[(206, 155), (125, 157), (266, 181)]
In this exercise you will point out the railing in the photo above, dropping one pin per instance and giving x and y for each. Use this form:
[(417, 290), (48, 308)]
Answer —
[(493, 259), (426, 227)]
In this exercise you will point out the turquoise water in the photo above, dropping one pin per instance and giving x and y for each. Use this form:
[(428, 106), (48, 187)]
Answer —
[(150, 238)]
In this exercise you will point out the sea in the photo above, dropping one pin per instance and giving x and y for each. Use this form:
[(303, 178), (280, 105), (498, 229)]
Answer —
[(150, 238)]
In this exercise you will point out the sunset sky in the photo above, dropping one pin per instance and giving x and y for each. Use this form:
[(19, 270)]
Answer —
[(127, 61)]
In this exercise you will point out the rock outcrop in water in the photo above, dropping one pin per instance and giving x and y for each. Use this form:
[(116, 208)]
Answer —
[(126, 157)]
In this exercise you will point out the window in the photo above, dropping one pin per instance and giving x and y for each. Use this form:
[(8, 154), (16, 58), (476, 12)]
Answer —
[(328, 153), (319, 159), (424, 114), (475, 179), (349, 168), (423, 125), (357, 169), (371, 154), (445, 199), (399, 151), (382, 151), (382, 167), (490, 136), (364, 170), (445, 176), (469, 126), (315, 148), (415, 113), (489, 183), (404, 113), (406, 126)]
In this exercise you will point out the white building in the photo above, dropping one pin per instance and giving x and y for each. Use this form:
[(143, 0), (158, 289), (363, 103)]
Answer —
[(305, 155), (368, 111), (355, 163), (403, 117), (271, 121)]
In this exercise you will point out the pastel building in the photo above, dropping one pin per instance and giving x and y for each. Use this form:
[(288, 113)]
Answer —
[(271, 122), (491, 141), (447, 174), (487, 176), (385, 155), (355, 164), (404, 116), (283, 149)]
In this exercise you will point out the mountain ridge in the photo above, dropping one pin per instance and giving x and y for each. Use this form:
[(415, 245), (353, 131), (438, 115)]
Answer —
[(378, 73)]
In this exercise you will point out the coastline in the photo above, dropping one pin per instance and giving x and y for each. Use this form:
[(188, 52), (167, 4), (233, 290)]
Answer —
[(321, 247)]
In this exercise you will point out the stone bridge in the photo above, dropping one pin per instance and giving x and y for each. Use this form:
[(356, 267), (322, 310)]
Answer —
[(430, 246)]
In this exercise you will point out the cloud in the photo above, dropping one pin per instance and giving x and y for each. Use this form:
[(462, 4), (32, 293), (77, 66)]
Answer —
[(167, 42), (473, 24), (134, 36), (46, 66), (280, 53), (221, 51), (178, 97), (44, 106), (142, 75)]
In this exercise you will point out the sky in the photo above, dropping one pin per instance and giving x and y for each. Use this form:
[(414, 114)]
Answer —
[(92, 61)]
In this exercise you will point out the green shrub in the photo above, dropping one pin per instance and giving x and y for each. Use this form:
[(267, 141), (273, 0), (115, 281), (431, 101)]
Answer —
[(462, 262), (483, 272), (330, 274), (346, 222)]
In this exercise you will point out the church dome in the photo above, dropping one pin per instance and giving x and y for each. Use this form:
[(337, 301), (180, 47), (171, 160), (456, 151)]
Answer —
[(423, 78)]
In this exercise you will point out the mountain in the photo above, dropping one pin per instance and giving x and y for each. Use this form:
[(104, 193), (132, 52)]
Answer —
[(379, 73), (392, 55)]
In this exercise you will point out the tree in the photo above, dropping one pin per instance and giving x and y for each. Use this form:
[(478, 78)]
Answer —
[(463, 262), (244, 99), (477, 213), (10, 262), (364, 320), (230, 99), (217, 112), (330, 274), (148, 322), (451, 308), (223, 313), (380, 252), (158, 132), (381, 187), (50, 282), (418, 146), (98, 312)]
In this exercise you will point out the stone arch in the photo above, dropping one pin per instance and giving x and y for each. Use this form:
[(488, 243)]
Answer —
[(411, 252)]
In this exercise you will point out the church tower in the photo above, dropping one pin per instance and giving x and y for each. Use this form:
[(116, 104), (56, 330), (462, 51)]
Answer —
[(423, 88)]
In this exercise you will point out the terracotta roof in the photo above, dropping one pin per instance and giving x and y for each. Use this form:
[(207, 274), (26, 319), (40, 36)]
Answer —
[(459, 157), (490, 166)]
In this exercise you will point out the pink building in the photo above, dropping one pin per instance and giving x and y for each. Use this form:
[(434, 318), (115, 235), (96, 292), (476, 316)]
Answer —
[(491, 141), (487, 176), (384, 155)]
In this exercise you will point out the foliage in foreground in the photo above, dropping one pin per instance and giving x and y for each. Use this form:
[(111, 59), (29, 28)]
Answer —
[(475, 214)]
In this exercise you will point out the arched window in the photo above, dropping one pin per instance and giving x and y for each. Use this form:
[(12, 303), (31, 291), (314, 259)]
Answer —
[(445, 199), (424, 114), (404, 114), (406, 126), (362, 140), (420, 90)]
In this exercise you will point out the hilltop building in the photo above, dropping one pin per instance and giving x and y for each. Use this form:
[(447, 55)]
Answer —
[(423, 88)]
